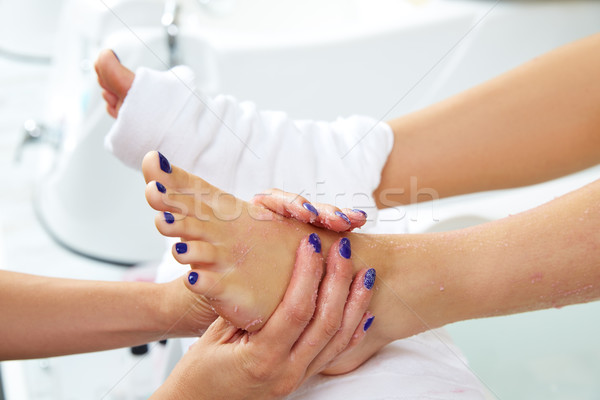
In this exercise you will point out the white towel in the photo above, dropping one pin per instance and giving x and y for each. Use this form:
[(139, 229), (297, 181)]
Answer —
[(242, 150)]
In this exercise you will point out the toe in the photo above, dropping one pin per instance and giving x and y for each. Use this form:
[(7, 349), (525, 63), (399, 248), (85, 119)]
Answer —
[(195, 252), (187, 228), (112, 75), (206, 283)]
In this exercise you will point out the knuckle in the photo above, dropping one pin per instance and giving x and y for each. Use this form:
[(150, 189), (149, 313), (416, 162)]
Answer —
[(301, 314), (331, 327)]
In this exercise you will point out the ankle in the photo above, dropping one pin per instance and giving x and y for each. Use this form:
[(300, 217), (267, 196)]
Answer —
[(416, 289)]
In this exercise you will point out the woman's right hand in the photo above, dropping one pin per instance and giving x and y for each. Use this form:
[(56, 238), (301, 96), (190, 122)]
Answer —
[(317, 321)]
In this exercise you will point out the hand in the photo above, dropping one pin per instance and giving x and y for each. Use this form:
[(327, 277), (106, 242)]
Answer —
[(299, 340), (292, 205)]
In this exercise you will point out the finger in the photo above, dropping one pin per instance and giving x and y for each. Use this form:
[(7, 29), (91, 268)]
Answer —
[(330, 304), (352, 329), (289, 205), (219, 332), (295, 311), (332, 218), (357, 217)]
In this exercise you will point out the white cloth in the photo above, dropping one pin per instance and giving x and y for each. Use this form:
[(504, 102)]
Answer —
[(243, 150)]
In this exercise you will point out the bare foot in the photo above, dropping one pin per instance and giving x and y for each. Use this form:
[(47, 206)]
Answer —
[(114, 79), (242, 256), (244, 253)]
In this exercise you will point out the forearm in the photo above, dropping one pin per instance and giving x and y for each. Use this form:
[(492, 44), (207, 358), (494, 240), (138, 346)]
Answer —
[(44, 316), (542, 258), (534, 123), (546, 257)]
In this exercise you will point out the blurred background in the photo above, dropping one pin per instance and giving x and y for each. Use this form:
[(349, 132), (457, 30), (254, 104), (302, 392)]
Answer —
[(312, 59)]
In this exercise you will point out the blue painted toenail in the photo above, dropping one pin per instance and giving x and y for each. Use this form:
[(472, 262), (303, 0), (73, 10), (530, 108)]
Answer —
[(342, 216), (315, 241), (181, 248), (311, 208), (169, 217), (161, 188), (165, 165), (345, 250), (368, 323), (356, 210), (370, 278), (193, 278)]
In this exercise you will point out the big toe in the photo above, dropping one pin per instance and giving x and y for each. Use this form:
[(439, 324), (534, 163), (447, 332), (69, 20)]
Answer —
[(112, 75)]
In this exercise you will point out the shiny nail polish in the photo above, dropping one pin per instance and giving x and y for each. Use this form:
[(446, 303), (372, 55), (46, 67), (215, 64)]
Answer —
[(161, 188), (345, 250), (181, 248), (356, 210), (116, 56), (315, 241), (342, 216), (368, 323), (193, 278), (370, 278), (310, 208), (169, 218), (165, 165)]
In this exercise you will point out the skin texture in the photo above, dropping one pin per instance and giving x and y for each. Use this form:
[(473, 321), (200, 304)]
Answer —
[(531, 124), (302, 338), (124, 314), (299, 340)]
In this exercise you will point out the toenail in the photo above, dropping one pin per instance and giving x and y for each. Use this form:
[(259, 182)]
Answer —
[(368, 322), (193, 278), (356, 210), (370, 278), (165, 165), (342, 216), (116, 56), (345, 250), (311, 208), (161, 188), (169, 217), (315, 241), (181, 248)]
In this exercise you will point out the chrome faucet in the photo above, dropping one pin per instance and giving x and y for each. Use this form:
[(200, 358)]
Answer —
[(169, 22)]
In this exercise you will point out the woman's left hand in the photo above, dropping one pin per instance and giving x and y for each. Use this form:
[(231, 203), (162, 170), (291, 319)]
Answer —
[(303, 335)]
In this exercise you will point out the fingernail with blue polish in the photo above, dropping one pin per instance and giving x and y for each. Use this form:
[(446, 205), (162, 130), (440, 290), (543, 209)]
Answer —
[(370, 278), (161, 188), (169, 218), (345, 250), (165, 165), (342, 216), (356, 210), (368, 322), (193, 278), (315, 241), (310, 208), (116, 56), (181, 248)]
